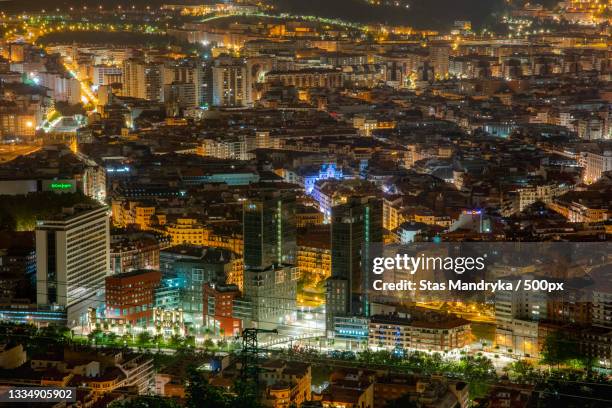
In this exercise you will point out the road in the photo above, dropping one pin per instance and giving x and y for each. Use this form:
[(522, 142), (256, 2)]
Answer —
[(472, 314), (87, 95), (10, 152)]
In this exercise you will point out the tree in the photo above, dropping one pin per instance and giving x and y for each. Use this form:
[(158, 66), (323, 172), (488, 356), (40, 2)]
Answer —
[(559, 350), (245, 395), (19, 212), (523, 372), (158, 338), (145, 401), (143, 338), (190, 341), (69, 110), (476, 368), (95, 335), (201, 394), (111, 338), (175, 341), (366, 356), (126, 338)]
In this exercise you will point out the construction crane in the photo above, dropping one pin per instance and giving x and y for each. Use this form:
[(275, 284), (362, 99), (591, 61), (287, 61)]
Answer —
[(249, 370)]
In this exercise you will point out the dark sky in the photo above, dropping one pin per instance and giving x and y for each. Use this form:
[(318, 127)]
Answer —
[(437, 14)]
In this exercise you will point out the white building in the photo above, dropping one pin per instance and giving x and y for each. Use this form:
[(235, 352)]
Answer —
[(102, 73), (231, 83), (595, 164), (72, 260), (544, 193), (188, 78), (272, 293), (142, 80), (236, 148), (517, 316), (64, 88)]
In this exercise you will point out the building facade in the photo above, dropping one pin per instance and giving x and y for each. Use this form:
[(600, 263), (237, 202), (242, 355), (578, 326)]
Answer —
[(219, 308), (72, 260), (270, 275), (356, 228), (130, 296)]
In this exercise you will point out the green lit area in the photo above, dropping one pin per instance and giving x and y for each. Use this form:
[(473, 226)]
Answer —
[(61, 186)]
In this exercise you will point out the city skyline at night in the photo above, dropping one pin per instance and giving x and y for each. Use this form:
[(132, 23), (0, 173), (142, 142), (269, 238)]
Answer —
[(300, 204)]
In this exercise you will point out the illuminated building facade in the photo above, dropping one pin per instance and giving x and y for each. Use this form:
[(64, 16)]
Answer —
[(326, 171), (72, 260), (219, 309), (130, 296), (231, 83), (270, 277), (193, 267), (356, 227), (397, 333)]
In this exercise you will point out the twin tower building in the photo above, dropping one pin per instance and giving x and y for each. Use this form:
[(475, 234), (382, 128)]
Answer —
[(271, 275)]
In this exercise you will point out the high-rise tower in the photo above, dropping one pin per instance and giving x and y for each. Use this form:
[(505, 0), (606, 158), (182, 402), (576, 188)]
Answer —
[(356, 229)]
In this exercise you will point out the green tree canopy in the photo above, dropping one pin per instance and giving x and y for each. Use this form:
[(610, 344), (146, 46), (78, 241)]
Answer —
[(145, 401), (558, 349), (201, 394)]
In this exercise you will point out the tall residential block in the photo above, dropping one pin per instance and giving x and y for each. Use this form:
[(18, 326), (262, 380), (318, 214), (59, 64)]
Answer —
[(142, 79), (72, 260), (231, 83)]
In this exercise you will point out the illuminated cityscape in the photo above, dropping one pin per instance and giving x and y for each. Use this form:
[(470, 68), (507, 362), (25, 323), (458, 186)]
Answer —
[(285, 204)]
